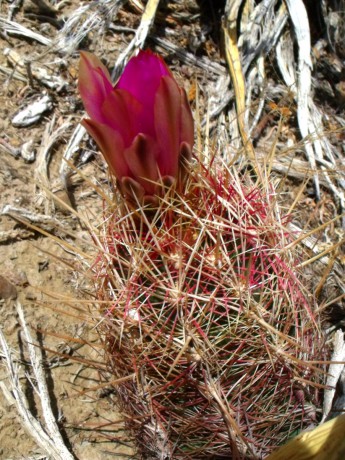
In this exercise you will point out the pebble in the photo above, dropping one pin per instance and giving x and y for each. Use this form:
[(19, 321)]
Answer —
[(27, 151), (33, 112), (7, 289)]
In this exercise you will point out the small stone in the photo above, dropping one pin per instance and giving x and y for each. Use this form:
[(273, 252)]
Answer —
[(39, 7), (63, 198), (43, 265), (33, 112), (27, 151), (7, 289), (31, 295), (19, 278)]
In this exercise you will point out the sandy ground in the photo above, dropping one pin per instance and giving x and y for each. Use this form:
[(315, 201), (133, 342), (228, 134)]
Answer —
[(36, 270)]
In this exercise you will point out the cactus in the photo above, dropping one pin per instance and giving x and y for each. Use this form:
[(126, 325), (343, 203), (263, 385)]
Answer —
[(207, 321)]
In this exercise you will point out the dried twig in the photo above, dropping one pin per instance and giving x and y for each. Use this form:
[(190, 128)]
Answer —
[(300, 22), (50, 137), (47, 437), (45, 223), (69, 153), (188, 58), (39, 73), (335, 369), (237, 77), (91, 16), (13, 28), (139, 38), (36, 361), (6, 147)]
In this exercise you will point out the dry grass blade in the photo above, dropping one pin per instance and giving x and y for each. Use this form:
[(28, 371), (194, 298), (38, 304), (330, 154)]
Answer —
[(189, 59), (46, 225), (237, 78), (262, 29), (309, 241)]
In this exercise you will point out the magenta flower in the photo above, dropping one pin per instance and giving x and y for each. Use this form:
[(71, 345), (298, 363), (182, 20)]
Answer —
[(143, 125)]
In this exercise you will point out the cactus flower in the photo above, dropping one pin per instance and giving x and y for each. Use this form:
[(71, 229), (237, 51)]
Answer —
[(143, 125)]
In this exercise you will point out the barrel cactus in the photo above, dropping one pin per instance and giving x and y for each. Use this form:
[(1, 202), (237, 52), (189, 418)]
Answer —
[(207, 325)]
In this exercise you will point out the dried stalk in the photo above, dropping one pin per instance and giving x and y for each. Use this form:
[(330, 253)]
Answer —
[(138, 41), (48, 436), (13, 28), (36, 361)]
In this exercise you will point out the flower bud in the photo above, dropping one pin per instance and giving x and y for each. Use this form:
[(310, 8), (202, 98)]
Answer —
[(143, 125)]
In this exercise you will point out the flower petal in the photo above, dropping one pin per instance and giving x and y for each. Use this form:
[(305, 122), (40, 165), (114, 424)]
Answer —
[(187, 122), (131, 189), (94, 84), (167, 115), (135, 193), (125, 114), (166, 183), (150, 202), (141, 160), (110, 144), (184, 159), (142, 76)]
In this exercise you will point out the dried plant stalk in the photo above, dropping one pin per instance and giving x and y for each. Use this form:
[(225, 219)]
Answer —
[(48, 436)]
